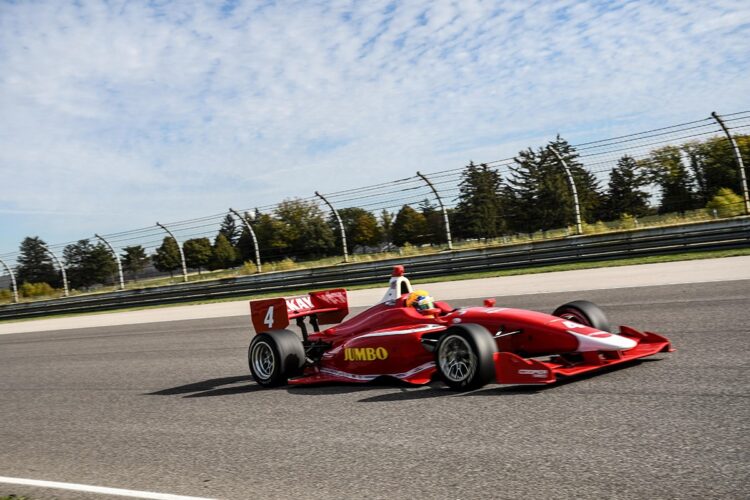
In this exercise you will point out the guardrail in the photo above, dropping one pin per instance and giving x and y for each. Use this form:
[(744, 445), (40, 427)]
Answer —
[(734, 233)]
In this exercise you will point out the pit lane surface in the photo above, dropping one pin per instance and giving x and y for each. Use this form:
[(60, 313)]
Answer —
[(170, 407)]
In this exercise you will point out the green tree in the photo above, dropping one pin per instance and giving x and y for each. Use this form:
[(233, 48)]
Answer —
[(229, 229), (134, 260), (435, 232), (75, 257), (727, 203), (386, 226), (198, 252), (479, 213), (624, 195), (668, 171), (361, 228), (540, 196), (714, 166), (35, 264), (223, 254), (273, 236), (521, 191), (305, 228), (587, 186), (167, 256), (88, 264), (102, 264), (410, 227)]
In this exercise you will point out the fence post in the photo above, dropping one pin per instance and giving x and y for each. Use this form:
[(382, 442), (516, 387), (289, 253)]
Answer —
[(252, 234), (117, 259), (62, 269), (341, 224), (179, 247), (442, 207), (738, 158), (13, 283), (579, 226)]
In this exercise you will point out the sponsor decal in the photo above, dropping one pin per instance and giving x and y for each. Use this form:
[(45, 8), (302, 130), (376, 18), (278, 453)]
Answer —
[(365, 354), (299, 303), (534, 373), (333, 297)]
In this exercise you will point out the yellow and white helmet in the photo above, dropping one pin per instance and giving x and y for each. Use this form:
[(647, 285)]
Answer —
[(420, 300)]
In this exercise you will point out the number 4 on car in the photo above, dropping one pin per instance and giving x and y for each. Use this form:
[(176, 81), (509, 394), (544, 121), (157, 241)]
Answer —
[(411, 337)]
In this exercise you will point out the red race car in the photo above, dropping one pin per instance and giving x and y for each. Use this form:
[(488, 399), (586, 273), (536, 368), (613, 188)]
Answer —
[(412, 338)]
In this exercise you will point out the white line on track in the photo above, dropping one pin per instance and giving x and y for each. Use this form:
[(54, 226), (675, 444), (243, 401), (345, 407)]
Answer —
[(96, 489)]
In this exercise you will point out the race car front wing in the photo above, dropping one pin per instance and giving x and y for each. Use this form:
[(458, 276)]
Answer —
[(513, 369)]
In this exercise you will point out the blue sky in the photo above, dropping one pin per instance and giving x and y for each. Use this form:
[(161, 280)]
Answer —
[(117, 114)]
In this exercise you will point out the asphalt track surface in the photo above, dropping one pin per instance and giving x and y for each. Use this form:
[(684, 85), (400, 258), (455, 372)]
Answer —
[(170, 407)]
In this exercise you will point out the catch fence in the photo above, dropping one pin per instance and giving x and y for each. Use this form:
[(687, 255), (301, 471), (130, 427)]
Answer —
[(438, 195)]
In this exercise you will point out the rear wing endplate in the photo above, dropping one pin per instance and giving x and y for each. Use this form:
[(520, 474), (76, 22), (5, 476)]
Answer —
[(328, 306)]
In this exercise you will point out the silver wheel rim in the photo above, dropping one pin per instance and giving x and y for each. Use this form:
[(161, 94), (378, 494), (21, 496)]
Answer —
[(457, 359), (263, 360)]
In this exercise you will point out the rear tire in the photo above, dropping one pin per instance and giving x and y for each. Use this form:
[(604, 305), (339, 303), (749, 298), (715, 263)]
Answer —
[(464, 357), (275, 356), (584, 312)]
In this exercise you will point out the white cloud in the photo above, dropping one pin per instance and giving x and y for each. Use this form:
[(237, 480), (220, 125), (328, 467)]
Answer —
[(132, 112)]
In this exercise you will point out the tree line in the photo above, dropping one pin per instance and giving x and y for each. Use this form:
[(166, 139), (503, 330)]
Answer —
[(535, 195)]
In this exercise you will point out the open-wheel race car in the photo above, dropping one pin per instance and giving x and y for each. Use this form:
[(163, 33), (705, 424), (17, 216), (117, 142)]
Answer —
[(410, 337)]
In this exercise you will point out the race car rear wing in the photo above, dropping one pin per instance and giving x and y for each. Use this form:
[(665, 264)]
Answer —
[(325, 307)]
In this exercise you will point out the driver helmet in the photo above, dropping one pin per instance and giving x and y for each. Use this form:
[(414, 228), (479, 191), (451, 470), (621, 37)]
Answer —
[(420, 300)]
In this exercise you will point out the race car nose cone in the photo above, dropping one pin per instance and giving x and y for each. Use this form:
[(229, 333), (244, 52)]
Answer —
[(603, 341)]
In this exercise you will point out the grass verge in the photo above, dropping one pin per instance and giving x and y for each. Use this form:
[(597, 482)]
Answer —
[(456, 277)]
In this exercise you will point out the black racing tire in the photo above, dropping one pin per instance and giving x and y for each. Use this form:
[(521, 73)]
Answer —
[(464, 357), (584, 312), (275, 356)]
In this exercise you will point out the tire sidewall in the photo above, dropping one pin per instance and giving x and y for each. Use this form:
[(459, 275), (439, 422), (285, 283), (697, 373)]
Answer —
[(586, 313), (288, 352), (483, 348), (275, 377)]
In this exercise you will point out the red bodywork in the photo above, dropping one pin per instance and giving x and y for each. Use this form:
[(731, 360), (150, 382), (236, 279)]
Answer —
[(390, 339)]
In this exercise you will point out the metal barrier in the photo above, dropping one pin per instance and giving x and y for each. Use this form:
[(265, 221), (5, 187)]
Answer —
[(734, 233)]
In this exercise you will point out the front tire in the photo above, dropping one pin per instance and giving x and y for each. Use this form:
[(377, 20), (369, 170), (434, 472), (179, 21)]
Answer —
[(584, 312), (464, 357), (275, 356)]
